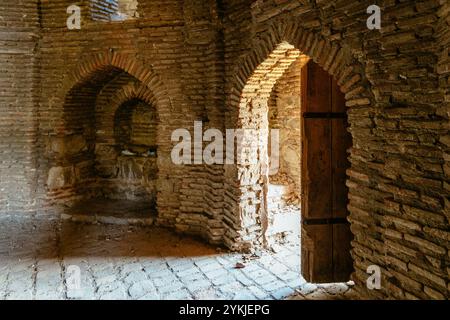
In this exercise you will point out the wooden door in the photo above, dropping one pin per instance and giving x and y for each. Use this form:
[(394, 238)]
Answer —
[(326, 234)]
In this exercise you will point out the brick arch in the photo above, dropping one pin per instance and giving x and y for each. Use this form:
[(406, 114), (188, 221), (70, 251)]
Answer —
[(96, 63), (110, 101), (134, 90), (84, 84), (151, 86), (277, 47), (254, 77)]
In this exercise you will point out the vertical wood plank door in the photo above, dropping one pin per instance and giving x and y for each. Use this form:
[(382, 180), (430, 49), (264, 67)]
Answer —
[(326, 234)]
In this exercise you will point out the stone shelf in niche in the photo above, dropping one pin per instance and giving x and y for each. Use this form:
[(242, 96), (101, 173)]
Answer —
[(110, 211)]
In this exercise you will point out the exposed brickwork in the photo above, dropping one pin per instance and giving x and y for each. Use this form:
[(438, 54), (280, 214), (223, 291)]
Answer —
[(390, 85), (218, 62), (19, 98), (443, 51), (180, 73)]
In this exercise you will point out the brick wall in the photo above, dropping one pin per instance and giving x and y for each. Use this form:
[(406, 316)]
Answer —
[(19, 93), (398, 195), (218, 62), (164, 50)]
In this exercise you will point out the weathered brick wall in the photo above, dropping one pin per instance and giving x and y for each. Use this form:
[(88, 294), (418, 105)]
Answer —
[(166, 51), (443, 70), (218, 62), (19, 93), (398, 195)]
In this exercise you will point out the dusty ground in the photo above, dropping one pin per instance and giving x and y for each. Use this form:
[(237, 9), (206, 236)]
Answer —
[(126, 262)]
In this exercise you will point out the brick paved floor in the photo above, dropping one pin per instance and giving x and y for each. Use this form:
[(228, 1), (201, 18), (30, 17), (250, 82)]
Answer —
[(129, 262)]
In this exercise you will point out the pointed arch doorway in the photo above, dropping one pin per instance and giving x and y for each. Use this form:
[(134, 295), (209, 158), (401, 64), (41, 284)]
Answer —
[(326, 240)]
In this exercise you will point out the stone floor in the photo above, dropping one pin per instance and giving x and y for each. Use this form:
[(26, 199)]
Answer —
[(38, 256)]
